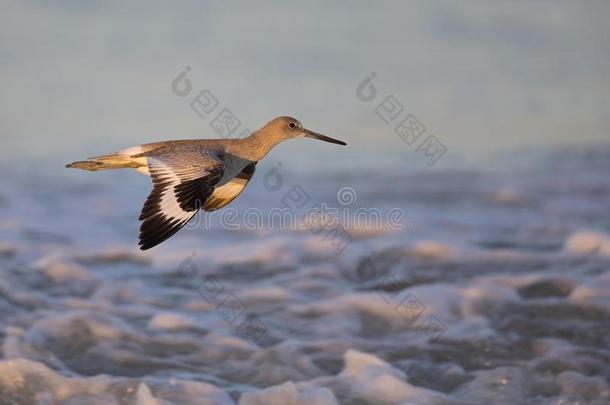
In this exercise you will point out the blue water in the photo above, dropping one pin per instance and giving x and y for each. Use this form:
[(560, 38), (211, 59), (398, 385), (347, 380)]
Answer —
[(506, 261)]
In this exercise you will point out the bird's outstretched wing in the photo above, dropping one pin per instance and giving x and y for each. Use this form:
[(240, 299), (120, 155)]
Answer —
[(182, 182)]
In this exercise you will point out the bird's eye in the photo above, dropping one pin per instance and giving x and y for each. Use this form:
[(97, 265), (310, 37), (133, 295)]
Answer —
[(292, 125)]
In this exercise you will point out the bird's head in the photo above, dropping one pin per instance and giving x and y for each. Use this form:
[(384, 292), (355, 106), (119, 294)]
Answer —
[(282, 128)]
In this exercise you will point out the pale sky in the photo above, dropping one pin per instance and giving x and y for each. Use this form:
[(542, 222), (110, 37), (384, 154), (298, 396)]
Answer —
[(80, 80)]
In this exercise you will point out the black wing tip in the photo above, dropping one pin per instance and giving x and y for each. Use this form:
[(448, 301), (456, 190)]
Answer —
[(156, 229), (147, 245), (149, 240)]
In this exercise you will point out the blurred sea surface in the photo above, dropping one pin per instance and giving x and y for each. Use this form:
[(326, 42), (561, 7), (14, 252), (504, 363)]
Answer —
[(485, 283)]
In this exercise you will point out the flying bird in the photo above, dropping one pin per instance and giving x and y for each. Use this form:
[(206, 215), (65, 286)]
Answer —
[(189, 175)]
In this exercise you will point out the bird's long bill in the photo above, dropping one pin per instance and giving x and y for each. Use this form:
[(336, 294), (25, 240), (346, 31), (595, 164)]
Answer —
[(315, 135)]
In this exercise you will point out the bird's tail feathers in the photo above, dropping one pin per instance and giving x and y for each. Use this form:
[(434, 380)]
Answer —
[(104, 162)]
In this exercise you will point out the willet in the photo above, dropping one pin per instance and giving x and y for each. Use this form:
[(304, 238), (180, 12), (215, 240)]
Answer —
[(199, 173)]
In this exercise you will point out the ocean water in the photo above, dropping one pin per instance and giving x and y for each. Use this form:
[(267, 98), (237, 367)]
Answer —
[(475, 285)]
